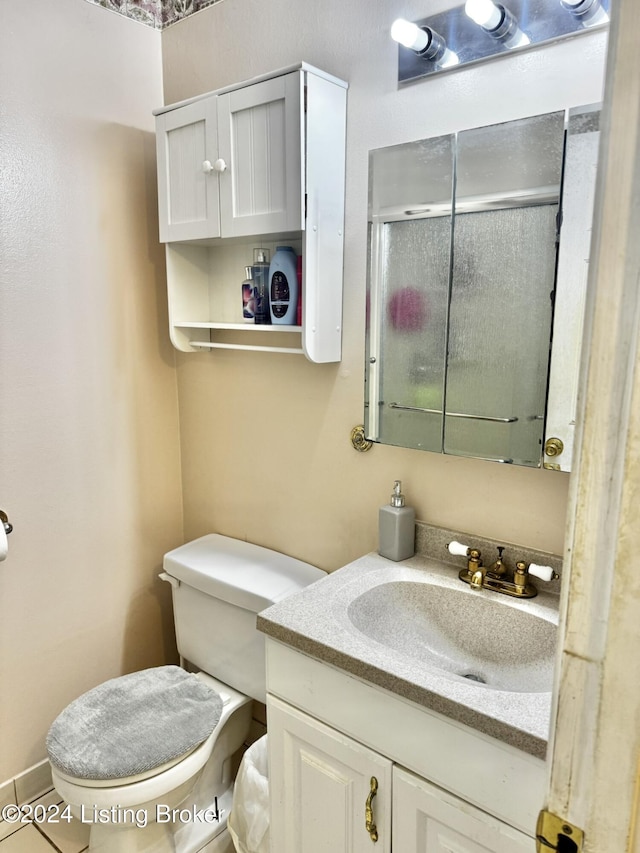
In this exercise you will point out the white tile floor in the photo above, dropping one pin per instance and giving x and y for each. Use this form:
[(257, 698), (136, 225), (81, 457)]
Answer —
[(46, 837)]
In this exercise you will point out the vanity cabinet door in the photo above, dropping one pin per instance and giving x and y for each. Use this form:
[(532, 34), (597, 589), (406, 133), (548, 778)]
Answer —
[(427, 819), (260, 142), (320, 786), (188, 182)]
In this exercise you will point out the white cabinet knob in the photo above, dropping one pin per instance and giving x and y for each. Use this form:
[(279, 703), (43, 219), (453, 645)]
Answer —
[(218, 166), (545, 573), (458, 549)]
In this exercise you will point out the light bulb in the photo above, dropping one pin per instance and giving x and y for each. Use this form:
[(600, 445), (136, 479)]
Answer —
[(497, 21), (589, 13), (484, 12), (598, 17), (427, 43), (409, 35)]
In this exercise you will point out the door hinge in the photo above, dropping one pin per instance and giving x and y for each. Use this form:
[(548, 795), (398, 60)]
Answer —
[(555, 833)]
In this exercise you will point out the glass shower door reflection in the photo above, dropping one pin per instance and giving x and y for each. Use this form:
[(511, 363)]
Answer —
[(500, 333), (414, 294)]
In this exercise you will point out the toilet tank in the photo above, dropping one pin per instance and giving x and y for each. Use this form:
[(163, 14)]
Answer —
[(219, 585)]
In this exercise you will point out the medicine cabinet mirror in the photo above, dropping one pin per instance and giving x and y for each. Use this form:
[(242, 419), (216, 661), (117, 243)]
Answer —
[(478, 258)]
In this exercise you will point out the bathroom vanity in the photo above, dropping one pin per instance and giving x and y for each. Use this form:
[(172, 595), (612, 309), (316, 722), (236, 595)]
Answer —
[(381, 730)]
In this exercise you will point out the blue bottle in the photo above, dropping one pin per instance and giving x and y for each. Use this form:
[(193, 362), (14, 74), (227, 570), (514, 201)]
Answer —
[(283, 287)]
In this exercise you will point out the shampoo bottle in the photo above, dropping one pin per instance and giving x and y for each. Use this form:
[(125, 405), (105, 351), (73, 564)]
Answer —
[(283, 287), (396, 527)]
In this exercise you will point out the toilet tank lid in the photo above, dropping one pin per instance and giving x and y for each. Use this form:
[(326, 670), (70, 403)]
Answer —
[(249, 576)]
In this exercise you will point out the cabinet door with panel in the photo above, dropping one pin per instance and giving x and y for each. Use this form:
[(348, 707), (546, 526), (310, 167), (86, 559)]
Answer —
[(260, 141), (188, 172), (329, 794), (230, 164), (427, 819)]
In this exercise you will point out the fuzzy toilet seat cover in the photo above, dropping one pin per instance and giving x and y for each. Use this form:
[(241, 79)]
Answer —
[(133, 724)]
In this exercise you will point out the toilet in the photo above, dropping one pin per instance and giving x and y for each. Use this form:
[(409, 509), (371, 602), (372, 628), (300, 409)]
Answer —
[(148, 758)]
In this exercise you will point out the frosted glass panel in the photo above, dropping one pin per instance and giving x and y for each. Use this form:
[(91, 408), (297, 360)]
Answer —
[(510, 163), (503, 278), (410, 215), (500, 332), (415, 290), (411, 179)]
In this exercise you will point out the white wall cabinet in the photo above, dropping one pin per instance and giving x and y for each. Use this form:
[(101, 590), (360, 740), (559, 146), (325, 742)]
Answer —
[(323, 800), (258, 164), (229, 164)]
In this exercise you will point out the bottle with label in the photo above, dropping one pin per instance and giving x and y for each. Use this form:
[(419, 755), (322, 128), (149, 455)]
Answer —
[(396, 527), (260, 275), (248, 297), (283, 287), (299, 275)]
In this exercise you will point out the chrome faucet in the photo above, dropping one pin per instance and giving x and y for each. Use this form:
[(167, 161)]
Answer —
[(496, 577)]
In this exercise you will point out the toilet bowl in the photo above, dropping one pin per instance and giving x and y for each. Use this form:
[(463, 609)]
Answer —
[(181, 798), (147, 811)]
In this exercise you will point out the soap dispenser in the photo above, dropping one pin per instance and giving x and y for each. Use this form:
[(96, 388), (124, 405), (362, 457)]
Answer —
[(396, 527)]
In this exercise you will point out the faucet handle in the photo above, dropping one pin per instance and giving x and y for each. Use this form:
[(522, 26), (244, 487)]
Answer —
[(458, 549), (545, 573)]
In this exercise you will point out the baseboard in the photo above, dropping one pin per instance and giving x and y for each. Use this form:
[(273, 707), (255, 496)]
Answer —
[(24, 788), (28, 785)]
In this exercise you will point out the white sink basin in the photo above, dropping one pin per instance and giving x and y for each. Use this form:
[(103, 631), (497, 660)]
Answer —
[(484, 637)]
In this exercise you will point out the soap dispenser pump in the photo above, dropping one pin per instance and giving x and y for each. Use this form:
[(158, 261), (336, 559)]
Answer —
[(396, 527)]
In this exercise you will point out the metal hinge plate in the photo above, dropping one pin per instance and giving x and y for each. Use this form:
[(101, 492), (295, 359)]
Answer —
[(555, 833)]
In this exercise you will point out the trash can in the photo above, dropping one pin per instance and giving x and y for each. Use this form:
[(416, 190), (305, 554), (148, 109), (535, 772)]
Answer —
[(248, 822)]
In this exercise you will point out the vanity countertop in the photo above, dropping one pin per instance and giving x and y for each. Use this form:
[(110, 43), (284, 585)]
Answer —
[(315, 621)]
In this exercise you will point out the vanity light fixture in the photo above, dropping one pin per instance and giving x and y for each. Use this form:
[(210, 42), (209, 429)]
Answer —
[(480, 30), (588, 12), (424, 41), (497, 22)]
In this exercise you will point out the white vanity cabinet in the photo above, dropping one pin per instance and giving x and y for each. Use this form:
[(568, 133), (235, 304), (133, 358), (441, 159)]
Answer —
[(426, 819), (320, 784), (254, 165), (323, 784), (441, 786)]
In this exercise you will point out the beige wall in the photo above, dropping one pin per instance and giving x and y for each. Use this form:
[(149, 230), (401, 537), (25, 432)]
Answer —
[(89, 443), (89, 452), (265, 438)]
